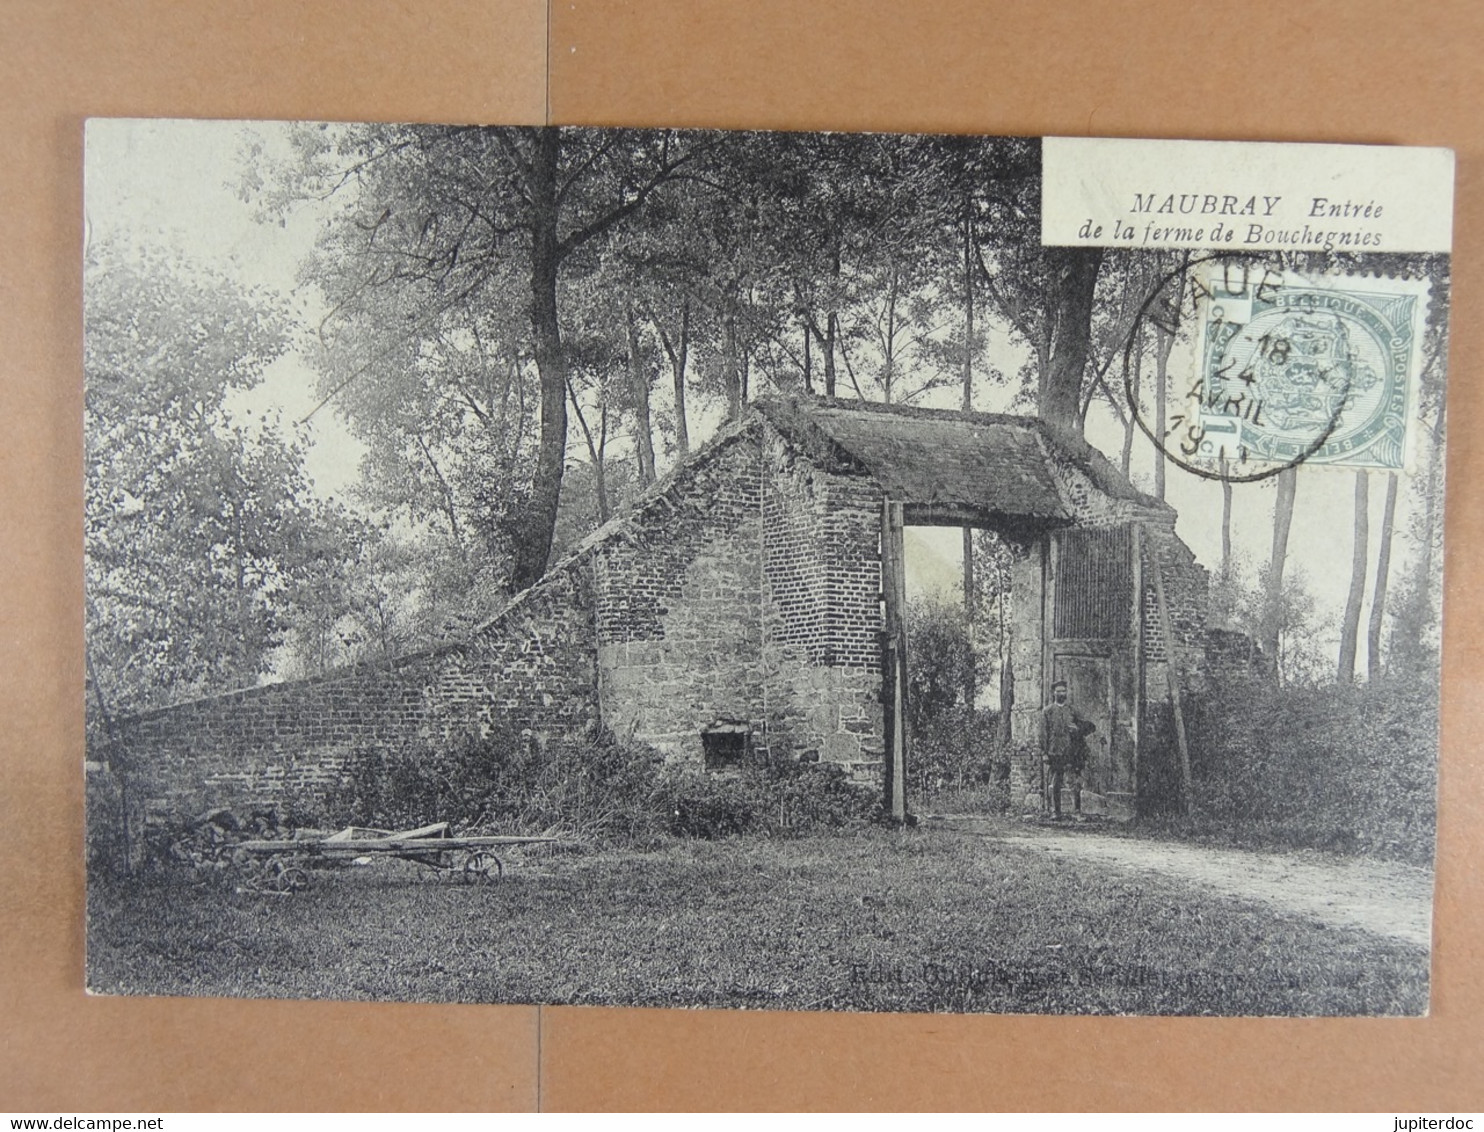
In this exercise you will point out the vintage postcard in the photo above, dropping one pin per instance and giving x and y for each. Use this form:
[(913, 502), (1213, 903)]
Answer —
[(797, 571)]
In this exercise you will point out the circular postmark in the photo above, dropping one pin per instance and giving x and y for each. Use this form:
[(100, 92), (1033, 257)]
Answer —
[(1268, 369)]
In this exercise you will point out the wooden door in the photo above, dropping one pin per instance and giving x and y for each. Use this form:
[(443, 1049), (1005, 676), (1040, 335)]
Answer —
[(1094, 646), (1090, 692)]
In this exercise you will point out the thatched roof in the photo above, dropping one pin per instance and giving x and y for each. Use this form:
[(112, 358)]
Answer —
[(948, 465)]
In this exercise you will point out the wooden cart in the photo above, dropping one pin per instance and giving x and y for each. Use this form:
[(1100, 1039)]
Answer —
[(471, 859)]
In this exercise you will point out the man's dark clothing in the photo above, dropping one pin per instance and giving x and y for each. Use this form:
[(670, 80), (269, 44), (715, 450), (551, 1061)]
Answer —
[(1064, 739), (1059, 734)]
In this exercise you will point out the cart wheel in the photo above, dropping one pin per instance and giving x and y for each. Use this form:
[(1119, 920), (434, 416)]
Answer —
[(291, 878), (482, 868)]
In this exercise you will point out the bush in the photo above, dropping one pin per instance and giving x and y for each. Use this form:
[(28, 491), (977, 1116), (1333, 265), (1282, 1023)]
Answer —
[(1352, 769), (592, 786), (595, 787), (779, 796), (711, 806), (954, 750)]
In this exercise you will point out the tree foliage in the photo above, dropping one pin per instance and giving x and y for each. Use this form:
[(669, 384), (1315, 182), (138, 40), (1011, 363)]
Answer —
[(202, 533), (483, 283)]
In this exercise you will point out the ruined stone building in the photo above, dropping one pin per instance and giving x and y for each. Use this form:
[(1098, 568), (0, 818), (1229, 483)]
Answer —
[(752, 600)]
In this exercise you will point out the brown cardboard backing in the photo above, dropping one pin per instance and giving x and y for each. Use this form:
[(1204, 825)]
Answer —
[(61, 1051), (1359, 71)]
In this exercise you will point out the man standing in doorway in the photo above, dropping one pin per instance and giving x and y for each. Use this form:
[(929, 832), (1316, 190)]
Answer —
[(1064, 741)]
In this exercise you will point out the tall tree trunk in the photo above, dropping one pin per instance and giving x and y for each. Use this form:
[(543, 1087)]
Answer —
[(1422, 598), (968, 282), (600, 467), (677, 353), (889, 354), (1076, 271), (1127, 454), (1350, 625), (1378, 593), (731, 366), (595, 453), (830, 323), (808, 357), (1126, 457), (639, 381), (682, 427), (532, 528), (1272, 628), (1162, 345)]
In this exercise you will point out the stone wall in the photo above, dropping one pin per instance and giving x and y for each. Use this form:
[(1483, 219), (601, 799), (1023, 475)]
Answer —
[(1027, 657), (679, 618)]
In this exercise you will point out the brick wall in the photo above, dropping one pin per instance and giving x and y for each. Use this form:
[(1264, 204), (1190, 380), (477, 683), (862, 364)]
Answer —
[(1186, 584), (749, 589), (532, 668), (822, 618), (274, 744), (1088, 504), (745, 587)]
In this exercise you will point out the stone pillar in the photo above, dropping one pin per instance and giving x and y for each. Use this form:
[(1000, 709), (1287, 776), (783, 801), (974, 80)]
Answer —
[(1027, 639)]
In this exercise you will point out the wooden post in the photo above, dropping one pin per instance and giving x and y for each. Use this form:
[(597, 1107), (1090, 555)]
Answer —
[(1173, 679), (1136, 636), (894, 596)]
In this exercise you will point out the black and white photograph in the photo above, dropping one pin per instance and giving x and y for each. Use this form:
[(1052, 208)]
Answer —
[(771, 571)]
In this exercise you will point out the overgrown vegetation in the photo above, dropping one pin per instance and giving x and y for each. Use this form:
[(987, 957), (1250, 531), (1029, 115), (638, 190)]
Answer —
[(592, 786), (956, 760), (1345, 768)]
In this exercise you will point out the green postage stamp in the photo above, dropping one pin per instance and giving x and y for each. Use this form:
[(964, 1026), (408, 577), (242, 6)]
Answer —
[(1319, 370)]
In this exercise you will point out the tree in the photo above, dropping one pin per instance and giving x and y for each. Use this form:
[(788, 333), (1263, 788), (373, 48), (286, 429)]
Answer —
[(1414, 643), (1272, 620), (1350, 622), (201, 531), (1045, 294), (1378, 592), (469, 219)]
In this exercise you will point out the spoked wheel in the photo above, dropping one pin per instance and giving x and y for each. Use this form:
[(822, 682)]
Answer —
[(290, 878), (482, 868)]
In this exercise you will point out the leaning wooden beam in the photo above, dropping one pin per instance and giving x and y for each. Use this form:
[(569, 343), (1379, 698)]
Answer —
[(1172, 675), (894, 590), (387, 844), (437, 829)]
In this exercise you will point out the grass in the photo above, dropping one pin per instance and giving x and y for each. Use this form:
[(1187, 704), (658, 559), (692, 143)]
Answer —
[(925, 920)]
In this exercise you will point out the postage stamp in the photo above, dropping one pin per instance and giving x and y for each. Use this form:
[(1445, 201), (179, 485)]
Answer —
[(1314, 369)]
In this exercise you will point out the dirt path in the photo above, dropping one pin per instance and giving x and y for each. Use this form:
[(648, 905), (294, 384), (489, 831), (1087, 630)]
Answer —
[(1383, 897)]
